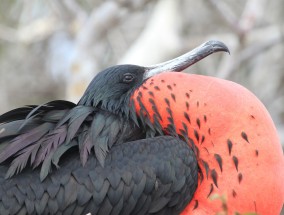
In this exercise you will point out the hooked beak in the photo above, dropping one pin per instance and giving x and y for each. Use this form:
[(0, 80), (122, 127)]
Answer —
[(182, 62)]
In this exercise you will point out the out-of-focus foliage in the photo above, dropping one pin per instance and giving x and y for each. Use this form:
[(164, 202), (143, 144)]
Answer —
[(52, 49)]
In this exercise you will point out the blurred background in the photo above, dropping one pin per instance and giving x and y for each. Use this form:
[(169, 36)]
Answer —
[(52, 49)]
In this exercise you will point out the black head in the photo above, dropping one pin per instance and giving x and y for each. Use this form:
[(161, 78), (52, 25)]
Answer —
[(111, 88)]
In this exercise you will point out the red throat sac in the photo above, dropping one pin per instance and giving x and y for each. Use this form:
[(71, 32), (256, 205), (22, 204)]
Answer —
[(238, 149)]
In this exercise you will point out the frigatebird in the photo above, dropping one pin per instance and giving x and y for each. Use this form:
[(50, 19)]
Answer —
[(99, 156)]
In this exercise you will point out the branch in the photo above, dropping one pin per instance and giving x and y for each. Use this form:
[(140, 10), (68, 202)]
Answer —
[(257, 42), (75, 9), (226, 13), (161, 34), (37, 30)]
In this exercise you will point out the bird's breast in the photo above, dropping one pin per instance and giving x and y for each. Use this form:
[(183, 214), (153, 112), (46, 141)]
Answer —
[(238, 146)]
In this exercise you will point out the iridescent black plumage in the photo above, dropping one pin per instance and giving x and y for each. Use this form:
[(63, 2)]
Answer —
[(105, 164), (102, 117)]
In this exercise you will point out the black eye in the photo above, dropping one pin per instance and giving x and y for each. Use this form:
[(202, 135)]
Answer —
[(127, 78)]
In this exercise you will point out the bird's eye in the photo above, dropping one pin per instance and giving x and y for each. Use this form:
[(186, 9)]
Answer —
[(127, 78)]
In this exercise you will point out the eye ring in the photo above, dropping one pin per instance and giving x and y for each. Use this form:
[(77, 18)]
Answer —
[(128, 77)]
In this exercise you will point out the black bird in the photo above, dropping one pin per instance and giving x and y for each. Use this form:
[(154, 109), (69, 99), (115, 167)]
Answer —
[(97, 156)]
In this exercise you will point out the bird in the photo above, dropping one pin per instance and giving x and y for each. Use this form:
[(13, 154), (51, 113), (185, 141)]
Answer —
[(99, 156), (235, 158)]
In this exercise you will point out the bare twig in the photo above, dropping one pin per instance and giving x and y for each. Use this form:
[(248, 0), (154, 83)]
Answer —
[(257, 42), (160, 34), (75, 9), (99, 22), (226, 13), (252, 13), (33, 32)]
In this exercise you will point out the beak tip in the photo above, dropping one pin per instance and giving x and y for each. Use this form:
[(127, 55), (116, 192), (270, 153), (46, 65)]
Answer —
[(218, 46)]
